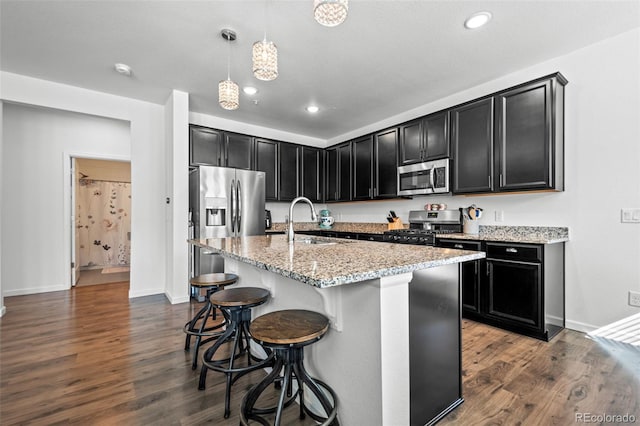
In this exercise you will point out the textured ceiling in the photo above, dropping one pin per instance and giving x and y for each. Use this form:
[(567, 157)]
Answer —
[(388, 57)]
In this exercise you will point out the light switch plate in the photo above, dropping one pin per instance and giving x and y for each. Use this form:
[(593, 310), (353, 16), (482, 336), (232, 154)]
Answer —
[(499, 215), (630, 216)]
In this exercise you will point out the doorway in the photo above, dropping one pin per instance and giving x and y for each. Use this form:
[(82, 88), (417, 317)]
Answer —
[(100, 221)]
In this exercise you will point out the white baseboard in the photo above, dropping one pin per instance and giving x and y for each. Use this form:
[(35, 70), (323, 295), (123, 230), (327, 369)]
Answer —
[(145, 292), (579, 326), (176, 300), (33, 290), (3, 311)]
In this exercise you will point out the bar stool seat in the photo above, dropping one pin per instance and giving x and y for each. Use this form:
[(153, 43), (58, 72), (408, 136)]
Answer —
[(286, 333), (197, 326), (237, 304)]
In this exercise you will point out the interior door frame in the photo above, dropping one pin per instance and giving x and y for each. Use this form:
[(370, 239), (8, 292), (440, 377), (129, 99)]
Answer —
[(69, 204)]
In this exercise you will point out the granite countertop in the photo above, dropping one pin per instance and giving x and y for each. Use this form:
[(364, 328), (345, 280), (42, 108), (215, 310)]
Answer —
[(515, 234), (344, 262)]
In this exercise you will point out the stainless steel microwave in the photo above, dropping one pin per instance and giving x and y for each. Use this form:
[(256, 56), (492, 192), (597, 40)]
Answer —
[(430, 177)]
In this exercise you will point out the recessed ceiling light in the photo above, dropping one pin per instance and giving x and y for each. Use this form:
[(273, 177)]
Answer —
[(312, 108), (123, 69), (250, 90), (477, 20)]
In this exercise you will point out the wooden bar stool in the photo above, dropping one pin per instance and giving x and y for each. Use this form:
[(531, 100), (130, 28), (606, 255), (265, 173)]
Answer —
[(197, 326), (237, 304), (286, 333)]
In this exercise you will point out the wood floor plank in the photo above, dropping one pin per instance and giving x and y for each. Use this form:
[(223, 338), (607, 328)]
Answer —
[(92, 356)]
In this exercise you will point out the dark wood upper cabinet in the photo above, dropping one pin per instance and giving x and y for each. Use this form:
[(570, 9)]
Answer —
[(312, 173), (266, 160), (206, 146), (338, 173), (529, 136), (411, 145), (385, 170), (238, 151), (472, 143), (288, 171), (211, 147), (436, 136), (424, 139), (363, 168)]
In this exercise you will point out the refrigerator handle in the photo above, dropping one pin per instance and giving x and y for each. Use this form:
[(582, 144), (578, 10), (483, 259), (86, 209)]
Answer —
[(239, 205), (232, 213)]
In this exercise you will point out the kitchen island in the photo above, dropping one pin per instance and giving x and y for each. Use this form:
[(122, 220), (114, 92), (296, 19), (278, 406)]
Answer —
[(393, 353)]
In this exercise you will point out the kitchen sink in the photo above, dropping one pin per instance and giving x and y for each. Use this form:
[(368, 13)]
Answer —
[(318, 241)]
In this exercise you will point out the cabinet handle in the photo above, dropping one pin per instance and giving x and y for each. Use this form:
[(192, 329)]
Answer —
[(511, 250), (370, 192), (335, 195), (487, 268), (489, 181), (458, 246), (501, 184), (476, 267)]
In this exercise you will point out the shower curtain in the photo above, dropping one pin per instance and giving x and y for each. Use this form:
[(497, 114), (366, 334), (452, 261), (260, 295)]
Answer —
[(103, 220)]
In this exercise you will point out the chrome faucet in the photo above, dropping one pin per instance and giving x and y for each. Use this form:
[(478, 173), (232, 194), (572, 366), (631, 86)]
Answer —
[(314, 216)]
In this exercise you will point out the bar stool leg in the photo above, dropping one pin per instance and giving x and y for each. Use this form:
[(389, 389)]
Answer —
[(208, 355), (314, 386), (194, 364)]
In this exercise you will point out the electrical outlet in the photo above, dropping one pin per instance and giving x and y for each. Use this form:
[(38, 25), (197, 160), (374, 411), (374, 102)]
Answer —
[(499, 215), (634, 298), (630, 216)]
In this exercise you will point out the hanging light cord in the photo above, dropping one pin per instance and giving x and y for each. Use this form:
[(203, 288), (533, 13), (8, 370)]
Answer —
[(228, 56)]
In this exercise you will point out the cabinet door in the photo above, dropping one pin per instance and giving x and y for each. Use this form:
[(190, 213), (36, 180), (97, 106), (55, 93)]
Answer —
[(469, 274), (239, 150), (362, 168), (344, 172), (436, 136), (288, 171), (515, 292), (386, 164), (410, 145), (206, 146), (331, 173), (311, 173), (472, 142), (266, 160), (524, 133)]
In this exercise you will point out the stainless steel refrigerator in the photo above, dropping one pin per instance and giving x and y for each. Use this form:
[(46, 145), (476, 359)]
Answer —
[(224, 202)]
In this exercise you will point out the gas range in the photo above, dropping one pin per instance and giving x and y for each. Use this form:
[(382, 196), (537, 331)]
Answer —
[(424, 226)]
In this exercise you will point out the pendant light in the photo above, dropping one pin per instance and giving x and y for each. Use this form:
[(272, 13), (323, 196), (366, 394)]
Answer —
[(330, 13), (228, 91), (265, 56)]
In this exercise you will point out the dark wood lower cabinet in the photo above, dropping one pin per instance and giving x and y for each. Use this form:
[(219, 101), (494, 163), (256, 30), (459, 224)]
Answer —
[(514, 292), (518, 287)]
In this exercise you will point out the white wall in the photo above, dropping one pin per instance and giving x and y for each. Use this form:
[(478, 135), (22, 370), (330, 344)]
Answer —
[(3, 309), (176, 122), (602, 175), (36, 235)]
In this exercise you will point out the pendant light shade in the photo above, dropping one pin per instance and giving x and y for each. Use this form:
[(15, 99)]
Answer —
[(265, 60), (228, 94), (228, 91), (330, 13)]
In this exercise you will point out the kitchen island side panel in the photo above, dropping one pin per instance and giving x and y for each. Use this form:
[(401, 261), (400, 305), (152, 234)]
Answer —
[(434, 343)]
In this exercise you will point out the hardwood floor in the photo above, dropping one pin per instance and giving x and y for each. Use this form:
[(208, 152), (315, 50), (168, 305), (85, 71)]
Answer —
[(92, 356)]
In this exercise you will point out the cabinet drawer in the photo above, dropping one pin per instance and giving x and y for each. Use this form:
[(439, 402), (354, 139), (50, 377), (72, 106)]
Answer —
[(519, 252), (460, 244)]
